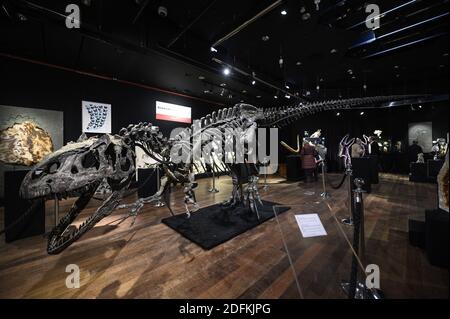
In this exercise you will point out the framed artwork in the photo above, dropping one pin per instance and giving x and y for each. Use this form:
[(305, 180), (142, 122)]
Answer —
[(422, 132), (96, 117)]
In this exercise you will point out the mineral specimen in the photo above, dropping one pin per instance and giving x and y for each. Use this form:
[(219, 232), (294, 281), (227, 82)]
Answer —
[(24, 144)]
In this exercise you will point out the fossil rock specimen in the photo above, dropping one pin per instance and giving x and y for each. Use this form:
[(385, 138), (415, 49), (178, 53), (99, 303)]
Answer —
[(24, 144)]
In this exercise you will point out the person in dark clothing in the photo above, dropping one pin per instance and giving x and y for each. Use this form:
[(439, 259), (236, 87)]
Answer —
[(372, 147), (308, 155), (414, 150)]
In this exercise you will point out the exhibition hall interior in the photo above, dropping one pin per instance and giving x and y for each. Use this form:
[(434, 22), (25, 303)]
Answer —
[(212, 149)]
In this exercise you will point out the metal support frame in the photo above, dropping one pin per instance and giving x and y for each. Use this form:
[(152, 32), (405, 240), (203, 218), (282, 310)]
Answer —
[(159, 203), (56, 210), (324, 194), (213, 189), (349, 220)]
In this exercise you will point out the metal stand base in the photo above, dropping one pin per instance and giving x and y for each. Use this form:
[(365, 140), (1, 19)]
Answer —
[(325, 195), (362, 292), (159, 204), (347, 221)]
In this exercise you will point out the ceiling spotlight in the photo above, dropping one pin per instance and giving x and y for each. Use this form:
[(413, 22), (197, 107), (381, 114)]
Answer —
[(287, 96), (275, 97), (258, 96), (350, 71), (22, 17), (365, 87), (298, 63), (338, 114), (420, 106), (265, 38), (253, 82), (212, 49), (362, 113), (283, 12), (318, 88), (396, 67), (333, 51), (287, 86), (226, 71)]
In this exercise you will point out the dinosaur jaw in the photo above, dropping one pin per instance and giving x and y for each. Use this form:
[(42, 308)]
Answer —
[(45, 192), (65, 233)]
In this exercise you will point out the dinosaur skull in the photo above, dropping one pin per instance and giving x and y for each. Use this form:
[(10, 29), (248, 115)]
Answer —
[(76, 167)]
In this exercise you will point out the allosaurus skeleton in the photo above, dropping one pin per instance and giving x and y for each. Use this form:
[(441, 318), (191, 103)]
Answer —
[(78, 168)]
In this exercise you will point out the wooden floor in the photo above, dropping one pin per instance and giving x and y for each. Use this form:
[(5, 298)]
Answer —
[(150, 260)]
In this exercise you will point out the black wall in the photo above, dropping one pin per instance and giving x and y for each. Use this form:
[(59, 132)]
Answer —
[(29, 85), (393, 123)]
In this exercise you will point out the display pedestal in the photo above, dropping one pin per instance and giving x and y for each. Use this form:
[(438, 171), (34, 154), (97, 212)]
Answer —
[(362, 168), (146, 188), (34, 223), (436, 237), (374, 169), (432, 235), (418, 172), (433, 169), (294, 172)]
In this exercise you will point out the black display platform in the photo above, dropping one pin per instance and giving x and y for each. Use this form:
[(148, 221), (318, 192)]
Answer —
[(433, 169), (374, 169), (212, 226), (418, 172), (432, 235), (436, 237), (147, 182), (34, 223), (294, 171), (362, 168)]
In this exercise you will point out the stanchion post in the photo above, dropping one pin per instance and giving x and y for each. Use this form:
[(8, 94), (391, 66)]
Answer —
[(324, 194)]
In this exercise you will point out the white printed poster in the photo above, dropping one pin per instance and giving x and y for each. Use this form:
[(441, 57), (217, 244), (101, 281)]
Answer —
[(96, 117), (173, 112)]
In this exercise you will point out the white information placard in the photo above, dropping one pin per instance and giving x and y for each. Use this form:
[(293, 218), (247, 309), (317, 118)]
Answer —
[(310, 225), (173, 112)]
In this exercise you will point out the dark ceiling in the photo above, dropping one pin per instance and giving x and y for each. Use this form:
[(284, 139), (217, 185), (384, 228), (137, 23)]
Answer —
[(326, 53)]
